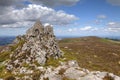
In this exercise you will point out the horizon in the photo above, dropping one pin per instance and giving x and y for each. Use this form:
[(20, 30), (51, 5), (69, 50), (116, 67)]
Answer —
[(74, 18)]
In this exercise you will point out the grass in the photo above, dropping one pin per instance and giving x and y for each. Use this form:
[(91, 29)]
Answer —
[(10, 77), (4, 73), (6, 56), (68, 55), (56, 62), (36, 75), (25, 65), (52, 62), (36, 63), (65, 78), (107, 77), (93, 53), (14, 47)]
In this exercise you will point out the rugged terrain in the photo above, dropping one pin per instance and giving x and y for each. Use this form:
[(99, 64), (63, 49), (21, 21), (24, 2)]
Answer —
[(37, 56)]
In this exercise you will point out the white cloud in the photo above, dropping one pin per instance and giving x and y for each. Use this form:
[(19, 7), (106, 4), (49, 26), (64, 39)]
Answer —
[(18, 24), (111, 23), (18, 4), (86, 28), (16, 13), (114, 24), (7, 5), (32, 12), (72, 29), (114, 2), (113, 27), (100, 19), (102, 16)]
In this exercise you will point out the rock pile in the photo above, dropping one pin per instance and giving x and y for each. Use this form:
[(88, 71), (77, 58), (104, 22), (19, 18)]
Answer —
[(37, 46)]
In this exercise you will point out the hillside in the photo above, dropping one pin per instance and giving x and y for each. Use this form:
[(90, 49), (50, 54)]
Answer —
[(94, 53), (38, 56)]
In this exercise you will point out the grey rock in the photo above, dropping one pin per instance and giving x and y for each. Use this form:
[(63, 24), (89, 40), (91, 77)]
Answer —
[(73, 73), (36, 46)]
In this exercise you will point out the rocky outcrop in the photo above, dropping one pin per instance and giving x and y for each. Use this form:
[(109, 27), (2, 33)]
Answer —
[(68, 71), (35, 47)]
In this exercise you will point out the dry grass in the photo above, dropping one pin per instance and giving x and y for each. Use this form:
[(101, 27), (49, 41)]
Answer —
[(94, 53), (107, 77)]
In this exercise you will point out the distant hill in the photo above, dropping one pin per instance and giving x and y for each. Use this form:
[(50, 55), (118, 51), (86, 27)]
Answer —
[(6, 40), (94, 53)]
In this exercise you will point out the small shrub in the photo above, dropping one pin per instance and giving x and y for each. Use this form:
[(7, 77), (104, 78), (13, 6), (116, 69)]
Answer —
[(52, 62), (36, 63), (61, 71), (107, 77), (65, 78), (36, 75), (10, 78), (46, 78)]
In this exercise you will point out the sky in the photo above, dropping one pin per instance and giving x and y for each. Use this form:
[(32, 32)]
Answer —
[(68, 17)]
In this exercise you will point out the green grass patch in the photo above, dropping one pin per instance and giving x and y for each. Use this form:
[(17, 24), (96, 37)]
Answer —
[(25, 65), (52, 62), (20, 44), (36, 63), (4, 56), (104, 40), (3, 72), (69, 55)]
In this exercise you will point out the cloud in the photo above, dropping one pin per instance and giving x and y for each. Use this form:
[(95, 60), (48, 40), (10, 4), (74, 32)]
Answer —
[(114, 24), (113, 27), (32, 12), (86, 28), (18, 13), (8, 2), (114, 2), (18, 24), (102, 16), (100, 19), (8, 5), (72, 29), (22, 3), (55, 2)]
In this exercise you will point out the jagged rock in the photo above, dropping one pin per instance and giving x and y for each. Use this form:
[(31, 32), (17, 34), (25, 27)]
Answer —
[(36, 46)]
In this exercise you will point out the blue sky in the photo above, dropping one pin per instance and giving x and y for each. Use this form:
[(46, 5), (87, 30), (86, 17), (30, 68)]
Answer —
[(69, 17)]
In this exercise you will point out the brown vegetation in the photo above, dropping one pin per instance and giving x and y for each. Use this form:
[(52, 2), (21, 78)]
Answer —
[(94, 53)]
